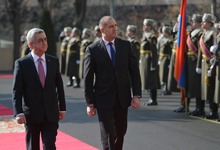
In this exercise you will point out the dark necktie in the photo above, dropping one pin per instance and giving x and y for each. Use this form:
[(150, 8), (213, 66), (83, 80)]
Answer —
[(41, 72), (112, 53)]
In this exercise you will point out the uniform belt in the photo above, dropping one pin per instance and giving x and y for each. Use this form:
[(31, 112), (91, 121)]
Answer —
[(82, 53), (162, 54), (190, 53), (173, 50), (71, 51), (63, 50), (144, 51)]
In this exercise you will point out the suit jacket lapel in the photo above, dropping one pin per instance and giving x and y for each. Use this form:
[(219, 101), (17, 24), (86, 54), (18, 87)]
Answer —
[(117, 46), (49, 67), (33, 67), (105, 52)]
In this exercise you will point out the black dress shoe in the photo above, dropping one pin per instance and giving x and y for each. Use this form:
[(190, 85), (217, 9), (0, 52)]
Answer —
[(76, 86), (197, 112), (211, 115), (180, 109), (150, 103), (218, 120), (166, 93), (207, 101), (68, 85)]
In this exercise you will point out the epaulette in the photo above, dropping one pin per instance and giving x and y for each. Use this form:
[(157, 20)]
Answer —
[(77, 40), (188, 32), (135, 41), (153, 35), (201, 32), (170, 40), (89, 40)]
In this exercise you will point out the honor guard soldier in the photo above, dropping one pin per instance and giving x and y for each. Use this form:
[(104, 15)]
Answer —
[(193, 79), (63, 49), (97, 33), (217, 56), (160, 36), (148, 64), (203, 65), (171, 81), (25, 48), (72, 58), (85, 42), (165, 47), (120, 33), (130, 34)]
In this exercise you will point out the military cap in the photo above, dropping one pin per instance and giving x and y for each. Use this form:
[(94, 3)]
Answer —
[(166, 29), (67, 29), (197, 17), (97, 28), (217, 26), (132, 28), (76, 30), (159, 30), (209, 17), (188, 19), (87, 31), (148, 22)]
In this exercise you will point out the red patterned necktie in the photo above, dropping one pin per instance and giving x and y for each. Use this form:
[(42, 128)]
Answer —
[(41, 72)]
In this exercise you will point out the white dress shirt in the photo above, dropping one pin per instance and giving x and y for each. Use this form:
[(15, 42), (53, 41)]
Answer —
[(108, 46)]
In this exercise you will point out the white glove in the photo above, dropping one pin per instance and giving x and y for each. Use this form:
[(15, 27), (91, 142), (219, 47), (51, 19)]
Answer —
[(198, 70), (209, 73), (77, 62), (139, 61), (213, 48), (176, 26), (158, 62), (152, 69), (213, 60), (168, 66)]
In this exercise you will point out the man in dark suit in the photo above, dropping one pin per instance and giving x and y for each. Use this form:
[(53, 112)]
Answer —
[(38, 96), (111, 60)]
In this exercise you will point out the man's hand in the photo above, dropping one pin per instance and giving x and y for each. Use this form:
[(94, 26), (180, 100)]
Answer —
[(62, 115), (135, 102), (91, 110), (21, 119)]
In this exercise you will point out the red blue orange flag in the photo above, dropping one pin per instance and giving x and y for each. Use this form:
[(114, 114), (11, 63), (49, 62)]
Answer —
[(179, 70)]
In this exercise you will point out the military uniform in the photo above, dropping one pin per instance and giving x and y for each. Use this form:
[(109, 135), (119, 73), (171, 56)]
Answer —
[(136, 47), (207, 82), (72, 56), (165, 47), (193, 79), (63, 50), (217, 83), (97, 39), (171, 81), (25, 49), (84, 44)]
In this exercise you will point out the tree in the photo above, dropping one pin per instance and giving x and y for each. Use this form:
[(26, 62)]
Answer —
[(47, 25), (13, 10), (80, 11), (213, 8)]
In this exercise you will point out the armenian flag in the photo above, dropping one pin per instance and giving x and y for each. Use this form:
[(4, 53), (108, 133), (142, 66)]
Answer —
[(179, 70)]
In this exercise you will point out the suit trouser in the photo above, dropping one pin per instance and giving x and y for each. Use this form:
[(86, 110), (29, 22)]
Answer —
[(48, 132), (113, 126)]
